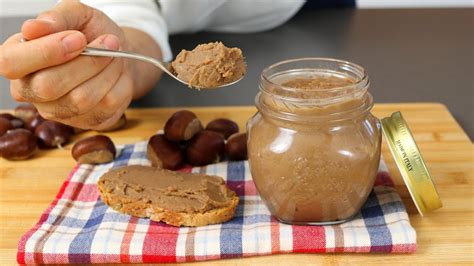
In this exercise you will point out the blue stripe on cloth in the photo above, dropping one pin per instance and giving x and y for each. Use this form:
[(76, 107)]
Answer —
[(380, 237), (236, 177), (125, 155), (257, 218), (231, 232), (395, 206), (80, 248), (236, 171), (73, 222)]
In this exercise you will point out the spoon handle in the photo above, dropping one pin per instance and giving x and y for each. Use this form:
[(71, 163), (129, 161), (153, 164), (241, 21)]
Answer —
[(91, 51)]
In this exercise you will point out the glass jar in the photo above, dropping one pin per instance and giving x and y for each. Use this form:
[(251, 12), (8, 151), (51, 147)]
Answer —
[(313, 145)]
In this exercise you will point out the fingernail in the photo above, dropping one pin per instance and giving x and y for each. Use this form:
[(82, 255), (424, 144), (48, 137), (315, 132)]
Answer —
[(73, 42), (111, 42)]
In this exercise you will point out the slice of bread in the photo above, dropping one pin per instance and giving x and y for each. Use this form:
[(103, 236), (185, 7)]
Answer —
[(178, 199)]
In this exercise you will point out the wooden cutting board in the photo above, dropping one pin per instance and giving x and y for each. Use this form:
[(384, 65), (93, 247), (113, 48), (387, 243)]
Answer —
[(444, 236)]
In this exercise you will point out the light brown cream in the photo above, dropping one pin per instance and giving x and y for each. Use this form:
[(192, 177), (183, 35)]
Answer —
[(209, 65)]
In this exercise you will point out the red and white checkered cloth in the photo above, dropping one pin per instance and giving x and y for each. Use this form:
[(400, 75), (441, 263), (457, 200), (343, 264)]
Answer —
[(79, 228)]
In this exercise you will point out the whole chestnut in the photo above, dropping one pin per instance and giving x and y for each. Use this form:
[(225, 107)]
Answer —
[(165, 154), (116, 126), (25, 111), (94, 150), (52, 134), (236, 147), (182, 126), (205, 148), (5, 125), (17, 144), (224, 126), (34, 122)]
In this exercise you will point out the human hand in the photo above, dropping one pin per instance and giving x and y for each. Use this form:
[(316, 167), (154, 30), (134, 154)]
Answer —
[(48, 71)]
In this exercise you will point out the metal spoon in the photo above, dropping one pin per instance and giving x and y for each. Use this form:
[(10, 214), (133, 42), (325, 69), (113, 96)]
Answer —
[(90, 51)]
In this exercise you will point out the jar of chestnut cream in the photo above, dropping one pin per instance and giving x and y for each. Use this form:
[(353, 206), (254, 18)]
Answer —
[(314, 146)]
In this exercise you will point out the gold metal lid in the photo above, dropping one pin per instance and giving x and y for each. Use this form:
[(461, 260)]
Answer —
[(410, 163)]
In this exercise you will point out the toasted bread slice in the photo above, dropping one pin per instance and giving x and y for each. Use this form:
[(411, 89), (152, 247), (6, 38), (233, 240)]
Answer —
[(179, 199)]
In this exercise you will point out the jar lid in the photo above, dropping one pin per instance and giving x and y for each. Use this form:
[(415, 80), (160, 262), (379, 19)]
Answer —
[(410, 163)]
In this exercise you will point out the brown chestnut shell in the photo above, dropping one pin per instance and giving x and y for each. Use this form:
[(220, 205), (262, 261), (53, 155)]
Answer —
[(182, 126), (53, 134), (224, 126), (205, 148), (18, 144), (5, 125), (34, 122), (236, 147), (25, 111), (97, 149), (7, 116), (15, 121), (164, 153)]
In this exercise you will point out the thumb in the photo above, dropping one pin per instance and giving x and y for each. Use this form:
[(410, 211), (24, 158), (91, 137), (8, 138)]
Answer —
[(71, 15), (66, 15)]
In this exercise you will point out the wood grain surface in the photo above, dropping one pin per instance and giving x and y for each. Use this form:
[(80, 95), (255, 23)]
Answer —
[(444, 236)]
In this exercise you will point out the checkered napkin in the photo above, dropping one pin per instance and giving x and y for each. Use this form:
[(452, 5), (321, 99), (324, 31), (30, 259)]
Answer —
[(79, 228)]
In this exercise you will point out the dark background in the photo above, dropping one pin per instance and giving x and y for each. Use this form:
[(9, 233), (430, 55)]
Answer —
[(411, 55)]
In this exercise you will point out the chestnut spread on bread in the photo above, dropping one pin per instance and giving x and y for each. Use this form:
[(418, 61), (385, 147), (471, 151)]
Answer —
[(179, 199)]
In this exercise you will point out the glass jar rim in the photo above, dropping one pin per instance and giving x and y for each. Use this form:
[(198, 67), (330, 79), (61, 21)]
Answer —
[(364, 108), (363, 80)]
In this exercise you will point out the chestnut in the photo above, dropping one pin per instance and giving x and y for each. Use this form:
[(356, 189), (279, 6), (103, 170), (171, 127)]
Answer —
[(224, 126), (236, 147), (34, 122), (165, 154), (205, 148), (94, 150), (116, 126), (182, 125), (7, 116), (15, 121), (25, 111), (52, 134), (5, 125), (17, 144)]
